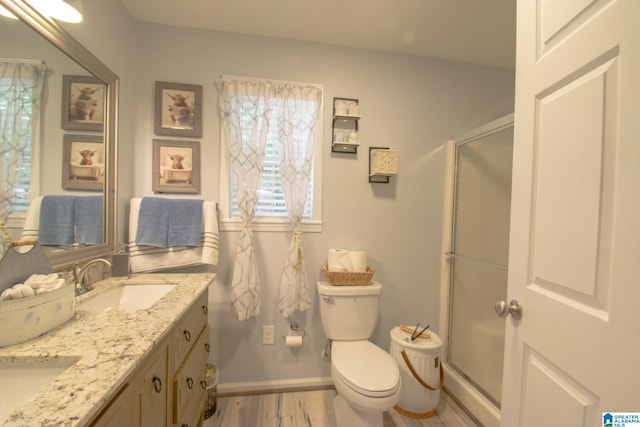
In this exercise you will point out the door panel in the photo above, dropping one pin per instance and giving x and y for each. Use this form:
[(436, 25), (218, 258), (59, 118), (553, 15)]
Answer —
[(568, 210), (559, 17), (575, 208), (546, 385)]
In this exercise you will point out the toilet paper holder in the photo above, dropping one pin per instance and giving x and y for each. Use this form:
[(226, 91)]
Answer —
[(296, 329)]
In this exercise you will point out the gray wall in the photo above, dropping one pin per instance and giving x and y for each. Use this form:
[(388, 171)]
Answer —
[(411, 104)]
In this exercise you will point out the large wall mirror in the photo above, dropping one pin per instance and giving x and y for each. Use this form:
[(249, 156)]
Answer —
[(74, 143)]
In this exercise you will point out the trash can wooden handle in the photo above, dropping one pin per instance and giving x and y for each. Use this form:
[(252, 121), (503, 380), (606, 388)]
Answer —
[(417, 377)]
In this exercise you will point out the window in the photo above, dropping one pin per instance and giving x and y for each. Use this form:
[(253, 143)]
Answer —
[(271, 211), (17, 102)]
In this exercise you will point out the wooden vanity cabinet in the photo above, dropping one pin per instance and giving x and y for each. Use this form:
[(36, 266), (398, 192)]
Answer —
[(151, 387), (168, 388), (191, 344), (190, 385), (119, 412)]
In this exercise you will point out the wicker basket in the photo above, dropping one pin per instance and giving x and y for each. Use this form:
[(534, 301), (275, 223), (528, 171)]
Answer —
[(349, 278)]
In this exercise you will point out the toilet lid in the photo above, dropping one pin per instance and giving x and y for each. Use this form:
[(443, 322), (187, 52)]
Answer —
[(365, 367)]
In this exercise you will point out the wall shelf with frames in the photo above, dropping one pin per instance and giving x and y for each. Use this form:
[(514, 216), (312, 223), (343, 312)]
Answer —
[(344, 135)]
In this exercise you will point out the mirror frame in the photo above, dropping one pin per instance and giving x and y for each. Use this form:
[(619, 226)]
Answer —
[(51, 31)]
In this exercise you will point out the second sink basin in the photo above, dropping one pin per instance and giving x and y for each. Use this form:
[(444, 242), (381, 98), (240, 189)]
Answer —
[(20, 381), (127, 297)]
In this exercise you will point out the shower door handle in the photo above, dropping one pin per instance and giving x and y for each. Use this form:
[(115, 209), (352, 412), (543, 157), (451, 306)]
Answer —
[(513, 308)]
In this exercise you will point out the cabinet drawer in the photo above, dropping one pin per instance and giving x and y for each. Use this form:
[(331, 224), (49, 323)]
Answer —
[(189, 382), (189, 329)]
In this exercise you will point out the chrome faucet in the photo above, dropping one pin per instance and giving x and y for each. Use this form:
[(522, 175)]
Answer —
[(80, 272)]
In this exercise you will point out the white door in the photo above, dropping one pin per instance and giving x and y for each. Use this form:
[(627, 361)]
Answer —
[(574, 261)]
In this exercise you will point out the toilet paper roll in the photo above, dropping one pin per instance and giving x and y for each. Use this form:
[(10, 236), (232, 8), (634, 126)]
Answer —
[(339, 259), (293, 340), (358, 261)]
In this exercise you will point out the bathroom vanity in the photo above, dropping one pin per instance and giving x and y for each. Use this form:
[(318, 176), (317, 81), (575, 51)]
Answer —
[(126, 366)]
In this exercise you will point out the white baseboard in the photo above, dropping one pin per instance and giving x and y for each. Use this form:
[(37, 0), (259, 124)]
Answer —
[(275, 386)]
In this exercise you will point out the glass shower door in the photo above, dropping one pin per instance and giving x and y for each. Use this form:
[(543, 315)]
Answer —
[(479, 259)]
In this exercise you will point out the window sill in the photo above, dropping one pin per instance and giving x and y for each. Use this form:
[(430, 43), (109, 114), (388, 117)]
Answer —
[(270, 225)]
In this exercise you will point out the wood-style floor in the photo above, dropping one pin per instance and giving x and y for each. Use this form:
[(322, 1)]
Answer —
[(315, 409)]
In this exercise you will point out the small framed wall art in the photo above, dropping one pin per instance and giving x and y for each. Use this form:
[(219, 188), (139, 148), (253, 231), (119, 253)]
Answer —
[(178, 109), (83, 162), (83, 103), (176, 166), (383, 163)]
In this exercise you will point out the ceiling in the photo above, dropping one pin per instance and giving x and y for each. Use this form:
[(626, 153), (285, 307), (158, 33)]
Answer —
[(475, 31)]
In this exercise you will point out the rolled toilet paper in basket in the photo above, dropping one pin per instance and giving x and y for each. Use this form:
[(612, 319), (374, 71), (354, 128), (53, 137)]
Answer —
[(339, 260), (358, 261)]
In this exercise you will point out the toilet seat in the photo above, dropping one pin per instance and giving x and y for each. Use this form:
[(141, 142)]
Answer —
[(365, 368)]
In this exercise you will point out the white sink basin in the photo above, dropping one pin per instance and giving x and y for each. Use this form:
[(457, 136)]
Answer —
[(21, 381), (126, 297)]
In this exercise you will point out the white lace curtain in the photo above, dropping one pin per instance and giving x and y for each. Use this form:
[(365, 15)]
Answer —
[(249, 108), (21, 86), (297, 123)]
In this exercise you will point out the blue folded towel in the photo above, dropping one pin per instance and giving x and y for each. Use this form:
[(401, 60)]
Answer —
[(153, 222), (56, 220), (88, 214), (185, 222)]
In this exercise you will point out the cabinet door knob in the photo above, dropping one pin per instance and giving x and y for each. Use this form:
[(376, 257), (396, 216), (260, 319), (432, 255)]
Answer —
[(157, 384), (205, 309), (187, 335), (203, 384), (190, 382), (207, 347)]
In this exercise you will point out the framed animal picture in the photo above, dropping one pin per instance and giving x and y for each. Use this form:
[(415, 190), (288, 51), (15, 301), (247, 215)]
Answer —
[(83, 162), (83, 103), (176, 166), (178, 109)]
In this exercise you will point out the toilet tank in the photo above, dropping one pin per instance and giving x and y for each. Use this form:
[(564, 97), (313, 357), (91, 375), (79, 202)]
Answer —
[(349, 312)]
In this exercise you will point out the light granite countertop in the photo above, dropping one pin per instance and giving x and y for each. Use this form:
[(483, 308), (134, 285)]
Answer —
[(107, 347)]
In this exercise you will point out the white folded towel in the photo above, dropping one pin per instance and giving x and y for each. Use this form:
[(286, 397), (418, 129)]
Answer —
[(31, 225), (16, 292), (57, 284), (38, 280)]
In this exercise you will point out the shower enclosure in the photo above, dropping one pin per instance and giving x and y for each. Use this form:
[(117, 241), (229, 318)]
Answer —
[(474, 267)]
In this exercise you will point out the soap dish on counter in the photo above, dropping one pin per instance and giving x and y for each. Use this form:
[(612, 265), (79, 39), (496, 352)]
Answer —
[(349, 278)]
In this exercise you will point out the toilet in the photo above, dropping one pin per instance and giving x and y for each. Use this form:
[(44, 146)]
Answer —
[(366, 377)]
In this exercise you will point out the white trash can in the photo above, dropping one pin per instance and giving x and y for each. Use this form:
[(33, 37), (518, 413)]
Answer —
[(421, 389)]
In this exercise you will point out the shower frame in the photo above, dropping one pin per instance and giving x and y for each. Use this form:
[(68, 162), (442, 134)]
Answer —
[(477, 403)]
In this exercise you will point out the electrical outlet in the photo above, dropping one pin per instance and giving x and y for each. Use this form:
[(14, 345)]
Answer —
[(268, 334)]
